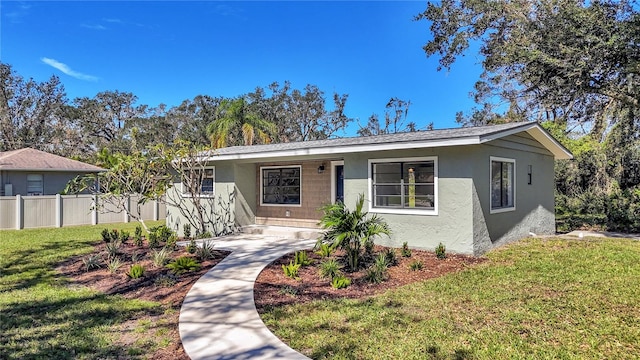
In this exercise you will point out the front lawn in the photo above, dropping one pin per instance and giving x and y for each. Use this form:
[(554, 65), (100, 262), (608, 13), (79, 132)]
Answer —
[(42, 316), (552, 298)]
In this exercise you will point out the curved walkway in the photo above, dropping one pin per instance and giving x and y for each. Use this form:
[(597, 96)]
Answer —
[(218, 318)]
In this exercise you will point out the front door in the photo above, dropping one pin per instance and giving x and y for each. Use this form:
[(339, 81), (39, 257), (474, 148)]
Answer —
[(339, 185)]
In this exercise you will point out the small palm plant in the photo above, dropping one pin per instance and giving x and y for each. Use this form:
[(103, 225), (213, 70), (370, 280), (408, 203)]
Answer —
[(351, 230)]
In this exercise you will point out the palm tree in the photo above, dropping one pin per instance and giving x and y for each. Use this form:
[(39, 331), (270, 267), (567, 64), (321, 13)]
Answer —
[(351, 230), (237, 124)]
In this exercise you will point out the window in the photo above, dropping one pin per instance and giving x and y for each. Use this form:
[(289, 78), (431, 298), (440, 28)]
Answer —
[(404, 185), (502, 184), (198, 182), (280, 185), (35, 184)]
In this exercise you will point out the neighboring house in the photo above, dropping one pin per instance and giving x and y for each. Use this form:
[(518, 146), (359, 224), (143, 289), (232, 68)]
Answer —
[(469, 188), (33, 172)]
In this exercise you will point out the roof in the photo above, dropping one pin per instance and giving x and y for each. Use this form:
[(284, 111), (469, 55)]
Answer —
[(408, 140), (28, 159)]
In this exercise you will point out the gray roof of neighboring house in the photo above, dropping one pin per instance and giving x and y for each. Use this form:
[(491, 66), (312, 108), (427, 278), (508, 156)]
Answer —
[(430, 138), (28, 159)]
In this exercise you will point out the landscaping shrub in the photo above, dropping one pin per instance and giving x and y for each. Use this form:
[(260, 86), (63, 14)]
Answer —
[(377, 272), (440, 251), (288, 290), (154, 242), (114, 235), (92, 262), (340, 282), (165, 280), (204, 235), (415, 265), (301, 258), (162, 233), (160, 258), (183, 264), (324, 250), (406, 252), (113, 248), (390, 256), (136, 271), (171, 242), (291, 270), (113, 264), (106, 236), (205, 251), (124, 236), (192, 247), (135, 256), (186, 229), (351, 230), (329, 269)]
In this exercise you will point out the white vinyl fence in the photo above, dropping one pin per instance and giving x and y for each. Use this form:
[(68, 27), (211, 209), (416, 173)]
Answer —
[(26, 212)]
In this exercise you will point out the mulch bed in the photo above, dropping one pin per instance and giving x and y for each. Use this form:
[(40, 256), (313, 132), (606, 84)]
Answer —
[(158, 284), (273, 288)]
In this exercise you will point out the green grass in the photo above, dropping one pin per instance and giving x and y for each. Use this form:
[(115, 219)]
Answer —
[(537, 299), (41, 317)]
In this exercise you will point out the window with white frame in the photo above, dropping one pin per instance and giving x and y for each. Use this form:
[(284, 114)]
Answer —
[(198, 182), (281, 185), (35, 184), (503, 176), (404, 185)]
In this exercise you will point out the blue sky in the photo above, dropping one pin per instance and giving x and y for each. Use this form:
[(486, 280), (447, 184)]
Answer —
[(166, 52)]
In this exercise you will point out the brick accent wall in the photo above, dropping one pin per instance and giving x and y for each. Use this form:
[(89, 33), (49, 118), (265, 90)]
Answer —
[(316, 192)]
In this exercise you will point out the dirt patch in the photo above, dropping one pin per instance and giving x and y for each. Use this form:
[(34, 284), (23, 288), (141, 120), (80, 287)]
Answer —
[(273, 288), (157, 333)]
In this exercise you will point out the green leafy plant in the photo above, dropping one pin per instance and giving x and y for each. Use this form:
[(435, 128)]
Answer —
[(390, 256), (113, 264), (92, 262), (329, 269), (351, 230), (160, 258), (154, 242), (340, 282), (138, 232), (136, 271), (112, 248), (377, 272), (324, 250), (440, 251), (191, 247), (301, 258), (106, 236), (205, 235), (415, 265), (171, 242), (114, 235), (186, 229), (124, 236), (183, 264), (406, 252), (205, 251), (135, 256), (291, 270)]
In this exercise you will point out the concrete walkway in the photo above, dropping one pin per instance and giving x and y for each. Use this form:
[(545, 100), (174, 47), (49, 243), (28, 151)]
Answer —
[(218, 319)]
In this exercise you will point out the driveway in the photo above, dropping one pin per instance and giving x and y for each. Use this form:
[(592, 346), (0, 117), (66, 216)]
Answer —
[(218, 319)]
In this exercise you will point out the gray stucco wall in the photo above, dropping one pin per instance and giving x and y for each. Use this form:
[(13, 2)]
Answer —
[(453, 225), (534, 203), (53, 182), (220, 208)]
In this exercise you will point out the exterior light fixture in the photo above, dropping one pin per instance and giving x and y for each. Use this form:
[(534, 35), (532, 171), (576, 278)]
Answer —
[(321, 169)]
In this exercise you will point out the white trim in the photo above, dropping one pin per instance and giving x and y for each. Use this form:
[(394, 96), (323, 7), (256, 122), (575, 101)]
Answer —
[(501, 159), (533, 129), (262, 187), (334, 179), (212, 194), (381, 210), (346, 149)]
